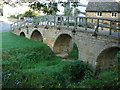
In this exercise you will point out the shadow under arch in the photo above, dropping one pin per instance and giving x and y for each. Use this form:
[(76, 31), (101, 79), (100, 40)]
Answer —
[(63, 45), (22, 34), (36, 35), (107, 58)]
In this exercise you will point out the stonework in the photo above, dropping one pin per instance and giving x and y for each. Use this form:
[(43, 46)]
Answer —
[(99, 51), (104, 15)]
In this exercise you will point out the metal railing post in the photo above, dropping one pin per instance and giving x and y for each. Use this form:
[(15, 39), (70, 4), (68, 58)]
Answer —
[(97, 25), (68, 22), (54, 20), (85, 23), (75, 23), (110, 30)]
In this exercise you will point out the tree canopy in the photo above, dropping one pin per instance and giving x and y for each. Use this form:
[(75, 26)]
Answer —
[(47, 8)]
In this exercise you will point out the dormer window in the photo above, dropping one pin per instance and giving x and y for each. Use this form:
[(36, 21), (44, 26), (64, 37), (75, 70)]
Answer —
[(114, 14), (99, 14)]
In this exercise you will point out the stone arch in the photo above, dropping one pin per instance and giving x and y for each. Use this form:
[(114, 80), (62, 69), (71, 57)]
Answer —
[(63, 45), (36, 35), (22, 34), (107, 58)]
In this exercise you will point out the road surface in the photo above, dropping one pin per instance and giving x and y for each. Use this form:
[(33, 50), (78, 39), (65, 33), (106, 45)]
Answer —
[(4, 27)]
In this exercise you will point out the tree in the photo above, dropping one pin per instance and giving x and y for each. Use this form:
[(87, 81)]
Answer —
[(37, 6), (15, 2), (67, 9), (47, 8), (52, 9), (74, 5)]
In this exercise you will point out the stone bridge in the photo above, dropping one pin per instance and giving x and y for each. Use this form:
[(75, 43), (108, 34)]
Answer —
[(97, 45)]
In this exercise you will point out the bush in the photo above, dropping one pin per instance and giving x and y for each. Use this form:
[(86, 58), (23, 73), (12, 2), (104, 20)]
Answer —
[(76, 70), (90, 83), (29, 14), (13, 16), (33, 79), (107, 79)]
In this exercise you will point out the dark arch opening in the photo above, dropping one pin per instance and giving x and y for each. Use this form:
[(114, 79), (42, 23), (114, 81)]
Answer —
[(107, 58), (22, 34), (36, 35), (63, 45)]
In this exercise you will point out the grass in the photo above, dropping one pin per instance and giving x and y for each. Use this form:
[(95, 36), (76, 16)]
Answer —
[(23, 57), (31, 64), (74, 53), (11, 41)]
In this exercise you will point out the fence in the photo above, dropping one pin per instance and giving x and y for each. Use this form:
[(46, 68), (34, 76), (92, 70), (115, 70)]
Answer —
[(113, 25)]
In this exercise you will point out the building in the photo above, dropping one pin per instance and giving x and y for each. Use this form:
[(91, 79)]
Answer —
[(108, 10), (103, 10), (9, 10)]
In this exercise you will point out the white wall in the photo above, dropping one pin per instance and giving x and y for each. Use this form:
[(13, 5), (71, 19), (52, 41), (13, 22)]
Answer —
[(9, 10)]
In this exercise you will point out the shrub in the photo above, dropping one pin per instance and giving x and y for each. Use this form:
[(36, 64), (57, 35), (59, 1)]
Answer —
[(90, 83), (13, 16), (29, 14), (33, 79), (76, 70), (109, 79)]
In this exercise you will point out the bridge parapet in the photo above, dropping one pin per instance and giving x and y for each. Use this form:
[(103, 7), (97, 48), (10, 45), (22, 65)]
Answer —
[(96, 24)]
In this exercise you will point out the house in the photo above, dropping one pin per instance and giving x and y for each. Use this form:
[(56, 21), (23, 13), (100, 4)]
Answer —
[(103, 10), (109, 10)]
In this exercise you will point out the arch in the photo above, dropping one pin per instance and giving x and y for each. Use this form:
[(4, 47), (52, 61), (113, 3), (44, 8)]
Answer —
[(107, 58), (36, 35), (22, 34), (63, 45)]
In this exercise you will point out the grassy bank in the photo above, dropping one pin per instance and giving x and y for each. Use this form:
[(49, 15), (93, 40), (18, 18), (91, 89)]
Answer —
[(31, 64)]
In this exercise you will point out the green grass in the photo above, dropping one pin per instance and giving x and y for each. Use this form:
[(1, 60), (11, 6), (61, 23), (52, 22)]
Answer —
[(31, 64), (10, 41), (24, 57), (74, 53)]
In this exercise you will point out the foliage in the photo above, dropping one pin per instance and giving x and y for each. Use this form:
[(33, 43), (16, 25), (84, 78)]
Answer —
[(26, 14), (1, 11), (29, 14), (12, 41), (13, 16), (76, 70), (75, 4), (20, 15), (37, 6), (49, 9), (68, 12), (76, 12), (31, 64), (74, 53)]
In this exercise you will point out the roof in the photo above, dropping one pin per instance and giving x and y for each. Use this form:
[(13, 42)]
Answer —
[(103, 6)]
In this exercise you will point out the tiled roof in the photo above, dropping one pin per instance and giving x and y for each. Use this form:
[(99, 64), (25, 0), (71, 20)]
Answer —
[(103, 6)]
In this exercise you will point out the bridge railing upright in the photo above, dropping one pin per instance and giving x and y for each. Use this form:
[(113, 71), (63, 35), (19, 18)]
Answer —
[(96, 24)]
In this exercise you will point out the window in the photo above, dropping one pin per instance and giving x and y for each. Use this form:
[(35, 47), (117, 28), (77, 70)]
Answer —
[(99, 14), (114, 14)]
